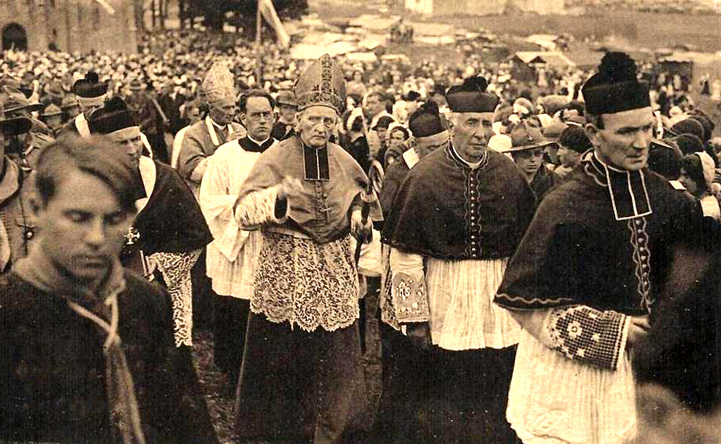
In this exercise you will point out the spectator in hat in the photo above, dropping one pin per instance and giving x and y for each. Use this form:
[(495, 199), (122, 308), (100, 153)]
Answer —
[(287, 110), (192, 113), (52, 116), (553, 133), (527, 148), (355, 140), (151, 119), (70, 107), (17, 105), (16, 227)]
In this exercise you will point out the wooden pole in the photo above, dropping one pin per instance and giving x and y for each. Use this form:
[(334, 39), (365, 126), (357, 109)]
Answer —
[(258, 58)]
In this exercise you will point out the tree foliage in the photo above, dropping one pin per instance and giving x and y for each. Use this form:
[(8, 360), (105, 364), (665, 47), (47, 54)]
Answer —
[(242, 13)]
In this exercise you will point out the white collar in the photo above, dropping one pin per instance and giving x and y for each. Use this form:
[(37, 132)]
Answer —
[(471, 165), (411, 158), (256, 142)]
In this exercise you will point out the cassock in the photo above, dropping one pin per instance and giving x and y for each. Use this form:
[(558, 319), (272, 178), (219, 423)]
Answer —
[(62, 383), (595, 253), (299, 364), (452, 227), (199, 142), (230, 259), (170, 229)]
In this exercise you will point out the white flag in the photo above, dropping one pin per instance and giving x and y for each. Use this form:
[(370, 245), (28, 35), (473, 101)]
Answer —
[(268, 11)]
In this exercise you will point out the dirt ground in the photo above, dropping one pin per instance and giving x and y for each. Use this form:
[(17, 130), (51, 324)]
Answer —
[(220, 395)]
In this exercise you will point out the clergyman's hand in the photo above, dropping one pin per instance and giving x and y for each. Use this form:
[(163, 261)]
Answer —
[(360, 229), (637, 330), (419, 333), (288, 185)]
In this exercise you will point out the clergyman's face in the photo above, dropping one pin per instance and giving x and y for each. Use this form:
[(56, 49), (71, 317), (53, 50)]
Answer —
[(222, 111), (131, 139), (470, 133), (82, 227), (625, 138), (316, 125), (258, 118)]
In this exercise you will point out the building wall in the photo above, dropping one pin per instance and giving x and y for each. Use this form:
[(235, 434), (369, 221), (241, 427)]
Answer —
[(72, 25)]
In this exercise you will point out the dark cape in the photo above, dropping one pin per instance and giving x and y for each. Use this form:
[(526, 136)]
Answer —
[(447, 210), (332, 185), (576, 252), (52, 371), (172, 221)]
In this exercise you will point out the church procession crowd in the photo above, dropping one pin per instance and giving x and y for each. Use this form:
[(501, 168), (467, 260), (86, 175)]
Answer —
[(542, 257)]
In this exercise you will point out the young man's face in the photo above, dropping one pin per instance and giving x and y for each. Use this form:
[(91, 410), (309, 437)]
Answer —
[(287, 112), (529, 161), (82, 227), (258, 118), (625, 138)]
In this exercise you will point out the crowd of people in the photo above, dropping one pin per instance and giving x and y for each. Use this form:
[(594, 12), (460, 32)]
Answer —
[(543, 254)]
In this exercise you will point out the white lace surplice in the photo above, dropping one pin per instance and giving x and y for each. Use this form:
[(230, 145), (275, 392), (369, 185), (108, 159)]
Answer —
[(557, 400)]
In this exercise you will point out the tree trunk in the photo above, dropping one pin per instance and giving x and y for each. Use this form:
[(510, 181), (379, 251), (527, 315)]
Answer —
[(139, 11)]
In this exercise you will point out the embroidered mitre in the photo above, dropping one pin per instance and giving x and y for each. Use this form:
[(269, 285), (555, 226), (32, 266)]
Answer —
[(219, 83), (322, 84)]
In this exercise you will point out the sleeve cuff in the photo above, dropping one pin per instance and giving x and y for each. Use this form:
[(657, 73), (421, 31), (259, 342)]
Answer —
[(261, 207), (410, 298)]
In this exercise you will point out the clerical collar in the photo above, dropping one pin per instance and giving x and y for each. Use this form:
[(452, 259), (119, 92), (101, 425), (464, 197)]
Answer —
[(627, 189), (472, 165), (257, 142), (315, 162)]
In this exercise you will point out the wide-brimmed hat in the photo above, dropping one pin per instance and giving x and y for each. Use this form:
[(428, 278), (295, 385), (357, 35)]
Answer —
[(51, 110), (14, 126), (286, 98), (526, 137), (69, 101), (16, 101)]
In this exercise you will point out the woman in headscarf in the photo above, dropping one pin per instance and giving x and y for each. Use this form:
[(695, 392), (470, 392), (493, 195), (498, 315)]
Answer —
[(697, 174)]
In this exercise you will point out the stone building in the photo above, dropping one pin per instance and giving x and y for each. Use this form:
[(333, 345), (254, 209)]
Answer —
[(68, 25)]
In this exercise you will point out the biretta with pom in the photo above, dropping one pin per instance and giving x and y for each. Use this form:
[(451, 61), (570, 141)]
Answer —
[(615, 87), (471, 97), (426, 121)]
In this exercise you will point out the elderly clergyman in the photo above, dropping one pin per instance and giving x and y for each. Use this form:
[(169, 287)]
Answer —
[(454, 223), (304, 194)]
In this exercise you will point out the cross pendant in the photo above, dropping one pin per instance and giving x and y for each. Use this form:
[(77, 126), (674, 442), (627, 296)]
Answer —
[(327, 209)]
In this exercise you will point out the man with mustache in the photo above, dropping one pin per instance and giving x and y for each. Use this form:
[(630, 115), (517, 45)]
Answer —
[(305, 196), (454, 223)]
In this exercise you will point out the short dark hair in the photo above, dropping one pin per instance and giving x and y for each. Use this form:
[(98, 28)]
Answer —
[(694, 169), (243, 102), (94, 155)]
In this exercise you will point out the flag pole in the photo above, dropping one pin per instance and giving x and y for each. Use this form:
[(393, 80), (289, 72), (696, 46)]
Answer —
[(258, 31)]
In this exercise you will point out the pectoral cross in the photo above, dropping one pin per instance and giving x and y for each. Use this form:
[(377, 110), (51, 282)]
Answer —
[(132, 236), (326, 209)]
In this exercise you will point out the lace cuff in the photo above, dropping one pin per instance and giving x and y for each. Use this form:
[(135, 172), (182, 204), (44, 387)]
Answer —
[(176, 273), (259, 208), (587, 335), (410, 298)]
